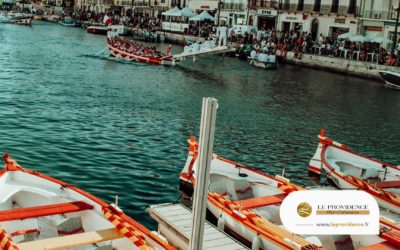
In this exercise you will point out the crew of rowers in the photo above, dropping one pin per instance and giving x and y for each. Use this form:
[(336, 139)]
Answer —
[(132, 47)]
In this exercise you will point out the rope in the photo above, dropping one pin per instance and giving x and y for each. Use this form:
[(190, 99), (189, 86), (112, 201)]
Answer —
[(5, 241)]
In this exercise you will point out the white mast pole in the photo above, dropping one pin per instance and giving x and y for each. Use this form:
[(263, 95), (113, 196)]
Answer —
[(206, 141)]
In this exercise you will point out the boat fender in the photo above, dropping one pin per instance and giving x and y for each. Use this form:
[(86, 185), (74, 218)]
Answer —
[(256, 243), (221, 222), (314, 240)]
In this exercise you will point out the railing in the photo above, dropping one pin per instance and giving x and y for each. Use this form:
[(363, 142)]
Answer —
[(232, 6), (141, 3), (264, 4), (285, 6), (383, 15)]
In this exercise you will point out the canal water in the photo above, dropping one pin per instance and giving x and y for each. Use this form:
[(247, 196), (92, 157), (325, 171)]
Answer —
[(116, 128)]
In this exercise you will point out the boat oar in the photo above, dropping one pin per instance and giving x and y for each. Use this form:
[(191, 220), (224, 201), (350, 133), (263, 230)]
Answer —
[(101, 51)]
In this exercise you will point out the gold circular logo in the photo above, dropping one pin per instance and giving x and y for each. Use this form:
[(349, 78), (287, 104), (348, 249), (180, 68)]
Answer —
[(304, 209)]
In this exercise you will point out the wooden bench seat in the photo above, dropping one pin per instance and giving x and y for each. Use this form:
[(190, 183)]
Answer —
[(46, 210), (388, 184), (72, 240), (261, 201)]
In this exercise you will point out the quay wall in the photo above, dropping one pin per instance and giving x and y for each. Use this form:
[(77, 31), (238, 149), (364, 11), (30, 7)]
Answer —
[(340, 65)]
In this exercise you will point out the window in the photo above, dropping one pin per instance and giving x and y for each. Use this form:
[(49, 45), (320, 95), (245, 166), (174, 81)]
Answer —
[(300, 5), (352, 7), (317, 5), (335, 6)]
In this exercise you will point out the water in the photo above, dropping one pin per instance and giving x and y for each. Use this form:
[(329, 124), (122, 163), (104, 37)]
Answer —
[(120, 128)]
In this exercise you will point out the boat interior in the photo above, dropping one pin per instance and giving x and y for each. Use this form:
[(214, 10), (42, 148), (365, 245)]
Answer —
[(363, 168), (39, 214)]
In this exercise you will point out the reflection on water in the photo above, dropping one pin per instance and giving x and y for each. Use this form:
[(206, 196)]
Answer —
[(121, 128)]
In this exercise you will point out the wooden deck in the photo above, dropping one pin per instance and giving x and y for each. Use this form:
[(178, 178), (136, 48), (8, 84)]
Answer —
[(175, 223)]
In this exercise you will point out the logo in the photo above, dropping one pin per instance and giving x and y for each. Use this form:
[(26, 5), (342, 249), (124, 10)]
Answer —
[(304, 209), (330, 212)]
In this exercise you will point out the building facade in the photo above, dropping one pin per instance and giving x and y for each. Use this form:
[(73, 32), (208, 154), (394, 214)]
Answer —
[(378, 18), (326, 17)]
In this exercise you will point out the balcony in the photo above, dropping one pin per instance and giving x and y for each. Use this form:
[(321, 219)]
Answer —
[(232, 6), (263, 4), (382, 15), (284, 6)]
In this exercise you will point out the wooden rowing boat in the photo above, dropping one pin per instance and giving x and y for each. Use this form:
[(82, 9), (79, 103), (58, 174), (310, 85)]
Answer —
[(246, 203), (119, 53), (39, 212), (349, 170)]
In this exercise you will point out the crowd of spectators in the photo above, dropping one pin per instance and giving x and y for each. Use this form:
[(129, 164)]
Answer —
[(299, 42)]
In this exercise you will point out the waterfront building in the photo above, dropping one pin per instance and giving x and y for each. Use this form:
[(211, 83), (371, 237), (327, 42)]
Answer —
[(264, 13), (97, 6), (326, 17), (232, 12), (378, 18)]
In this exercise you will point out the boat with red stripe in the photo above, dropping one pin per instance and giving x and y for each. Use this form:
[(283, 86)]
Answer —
[(119, 48), (349, 170), (40, 212)]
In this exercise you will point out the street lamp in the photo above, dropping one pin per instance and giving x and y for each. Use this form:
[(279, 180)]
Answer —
[(395, 30)]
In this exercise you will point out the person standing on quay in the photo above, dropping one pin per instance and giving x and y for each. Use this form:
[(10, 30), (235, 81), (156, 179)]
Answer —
[(222, 35)]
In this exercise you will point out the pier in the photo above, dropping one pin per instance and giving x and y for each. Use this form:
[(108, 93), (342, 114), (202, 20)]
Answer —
[(175, 223)]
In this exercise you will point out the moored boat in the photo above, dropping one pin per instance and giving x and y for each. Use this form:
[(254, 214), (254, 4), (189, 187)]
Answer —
[(391, 78), (102, 29), (246, 203), (21, 21), (124, 50), (349, 170), (265, 61), (67, 21), (52, 18), (40, 212)]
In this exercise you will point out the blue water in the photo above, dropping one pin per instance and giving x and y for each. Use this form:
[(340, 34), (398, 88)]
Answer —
[(120, 128)]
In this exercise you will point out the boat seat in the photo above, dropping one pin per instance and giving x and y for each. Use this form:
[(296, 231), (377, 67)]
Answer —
[(239, 189), (370, 173), (46, 210), (72, 240), (217, 184), (261, 201), (69, 226), (388, 184)]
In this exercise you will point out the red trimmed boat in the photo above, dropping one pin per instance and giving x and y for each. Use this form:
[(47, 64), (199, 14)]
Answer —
[(246, 203), (122, 49), (349, 170), (39, 212)]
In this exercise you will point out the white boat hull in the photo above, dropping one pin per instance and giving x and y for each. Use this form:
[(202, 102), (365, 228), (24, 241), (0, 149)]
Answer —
[(351, 171), (47, 210)]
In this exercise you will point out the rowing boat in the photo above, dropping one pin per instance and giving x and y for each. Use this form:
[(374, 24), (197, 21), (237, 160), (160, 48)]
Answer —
[(40, 212), (246, 202), (120, 53), (349, 170)]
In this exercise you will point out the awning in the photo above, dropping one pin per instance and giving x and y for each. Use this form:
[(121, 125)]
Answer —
[(186, 12), (172, 12), (202, 16)]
